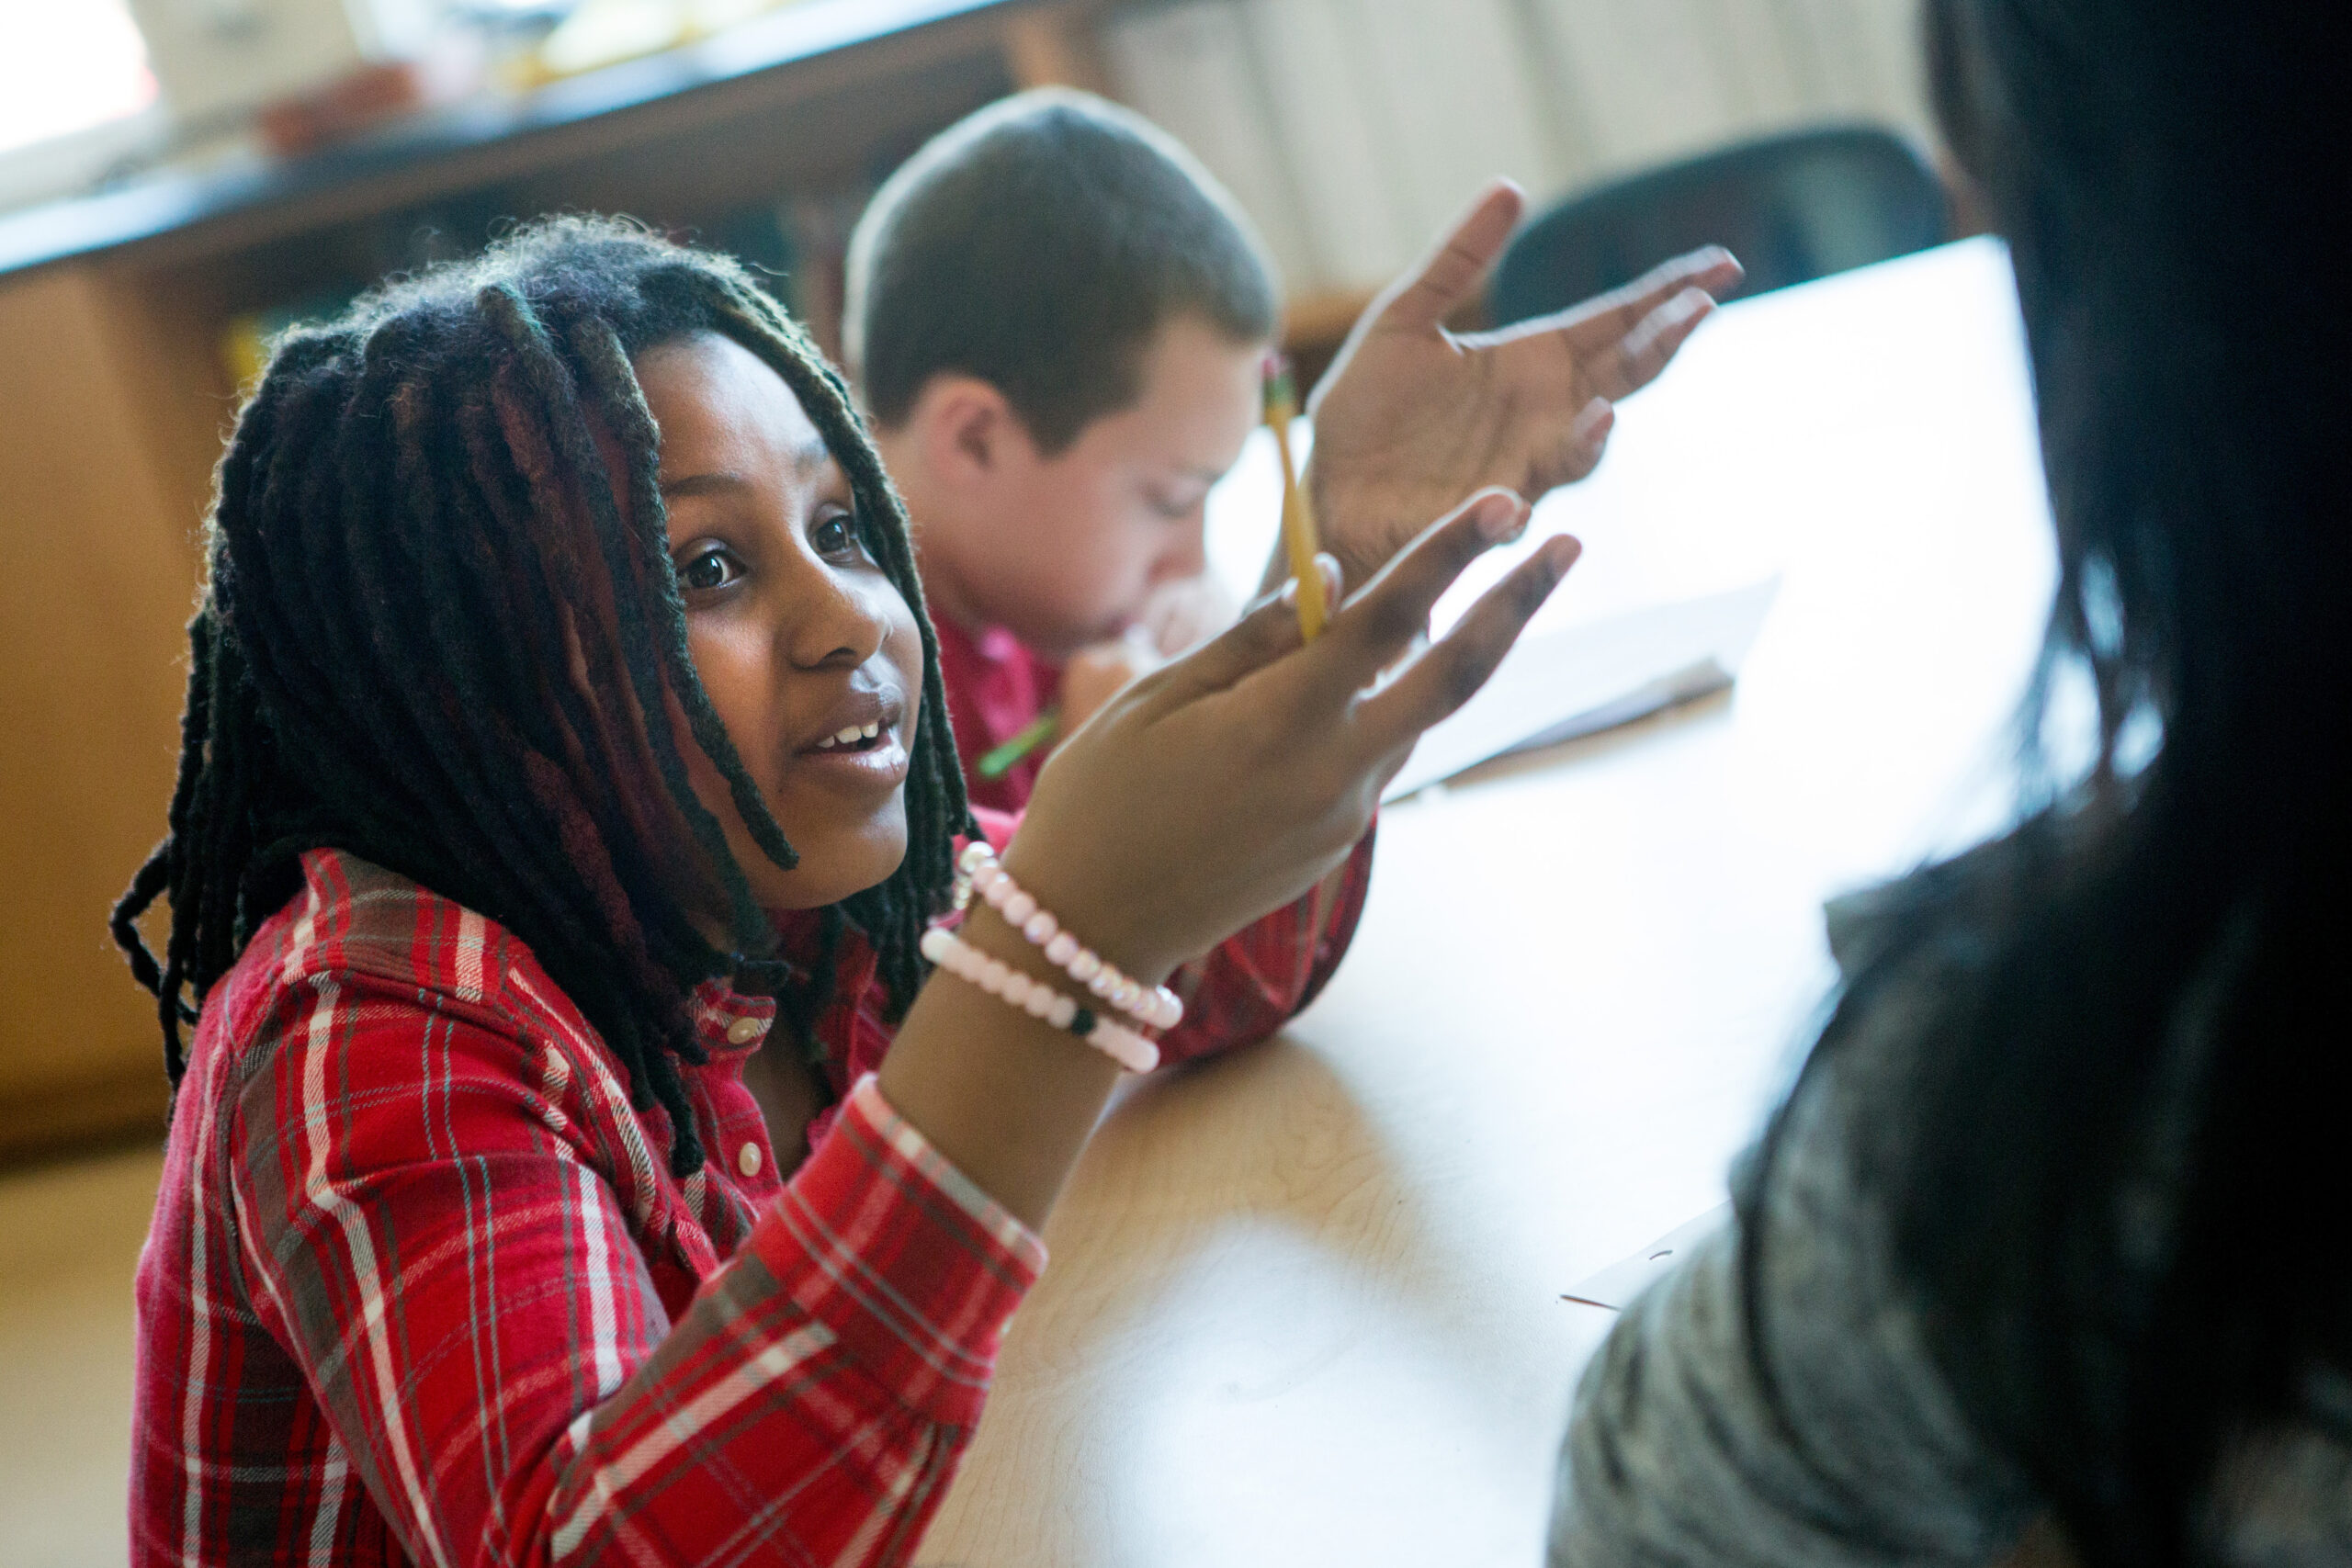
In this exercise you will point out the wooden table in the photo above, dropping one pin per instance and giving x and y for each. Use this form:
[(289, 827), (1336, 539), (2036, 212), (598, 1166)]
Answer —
[(1304, 1303)]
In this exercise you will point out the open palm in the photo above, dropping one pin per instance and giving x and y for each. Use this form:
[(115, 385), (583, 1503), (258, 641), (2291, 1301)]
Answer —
[(1413, 417)]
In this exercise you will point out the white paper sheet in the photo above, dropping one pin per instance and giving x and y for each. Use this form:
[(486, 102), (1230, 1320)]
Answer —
[(1568, 679), (1611, 646), (1622, 1281)]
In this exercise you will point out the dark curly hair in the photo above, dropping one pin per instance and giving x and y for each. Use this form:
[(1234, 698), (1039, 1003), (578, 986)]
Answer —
[(426, 605)]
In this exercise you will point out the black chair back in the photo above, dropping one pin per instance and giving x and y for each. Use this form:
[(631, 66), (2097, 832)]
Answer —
[(1793, 208)]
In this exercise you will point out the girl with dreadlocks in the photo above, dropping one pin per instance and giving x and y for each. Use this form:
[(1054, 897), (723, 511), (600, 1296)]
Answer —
[(563, 716)]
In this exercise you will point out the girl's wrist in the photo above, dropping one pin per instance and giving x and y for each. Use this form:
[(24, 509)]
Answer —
[(1041, 1000), (989, 931), (1125, 942), (980, 879), (1006, 1097)]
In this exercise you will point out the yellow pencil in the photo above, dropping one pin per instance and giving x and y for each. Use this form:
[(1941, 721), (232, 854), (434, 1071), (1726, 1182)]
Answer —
[(1299, 536)]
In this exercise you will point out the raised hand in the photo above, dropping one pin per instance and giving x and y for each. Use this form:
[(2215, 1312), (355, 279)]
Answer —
[(1230, 782), (1413, 417), (1209, 792)]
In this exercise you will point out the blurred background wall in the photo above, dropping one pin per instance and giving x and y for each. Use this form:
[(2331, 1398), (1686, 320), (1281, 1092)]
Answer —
[(180, 179), (1353, 130)]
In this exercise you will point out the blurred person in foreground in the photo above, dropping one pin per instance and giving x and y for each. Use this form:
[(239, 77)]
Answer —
[(2039, 1257)]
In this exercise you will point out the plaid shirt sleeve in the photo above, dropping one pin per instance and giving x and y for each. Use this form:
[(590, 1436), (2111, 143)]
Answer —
[(1263, 976), (427, 1231)]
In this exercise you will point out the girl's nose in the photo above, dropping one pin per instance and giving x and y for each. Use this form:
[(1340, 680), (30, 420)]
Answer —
[(835, 622)]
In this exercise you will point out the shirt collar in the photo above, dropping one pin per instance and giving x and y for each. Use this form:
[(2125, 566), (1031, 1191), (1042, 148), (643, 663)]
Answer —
[(726, 1020)]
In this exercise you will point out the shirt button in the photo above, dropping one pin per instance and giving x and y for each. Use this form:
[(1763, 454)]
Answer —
[(743, 1031), (749, 1161)]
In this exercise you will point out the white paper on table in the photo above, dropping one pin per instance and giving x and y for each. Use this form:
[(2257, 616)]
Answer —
[(1568, 679), (1622, 1281)]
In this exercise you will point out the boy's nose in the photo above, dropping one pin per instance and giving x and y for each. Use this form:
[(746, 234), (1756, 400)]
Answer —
[(1187, 557)]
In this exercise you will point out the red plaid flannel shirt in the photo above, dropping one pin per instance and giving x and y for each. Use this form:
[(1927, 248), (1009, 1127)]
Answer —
[(421, 1288)]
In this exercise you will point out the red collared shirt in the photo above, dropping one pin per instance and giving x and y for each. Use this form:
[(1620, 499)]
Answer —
[(421, 1288), (995, 687)]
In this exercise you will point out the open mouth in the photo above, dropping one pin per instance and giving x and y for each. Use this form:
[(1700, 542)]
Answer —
[(856, 738)]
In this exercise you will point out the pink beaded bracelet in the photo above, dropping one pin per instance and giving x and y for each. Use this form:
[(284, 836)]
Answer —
[(1155, 1007), (1038, 999)]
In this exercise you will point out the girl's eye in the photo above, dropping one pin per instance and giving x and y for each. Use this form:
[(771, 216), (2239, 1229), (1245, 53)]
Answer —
[(834, 534), (714, 566)]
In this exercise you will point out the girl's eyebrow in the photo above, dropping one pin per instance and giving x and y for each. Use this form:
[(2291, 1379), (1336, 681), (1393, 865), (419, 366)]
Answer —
[(806, 459), (704, 484)]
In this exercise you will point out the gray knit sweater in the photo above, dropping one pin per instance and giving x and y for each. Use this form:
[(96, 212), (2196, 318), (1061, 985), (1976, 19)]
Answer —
[(1672, 1458)]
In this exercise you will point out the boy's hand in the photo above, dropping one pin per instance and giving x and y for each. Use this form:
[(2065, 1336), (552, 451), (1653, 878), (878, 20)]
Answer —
[(1180, 616), (1176, 619), (1411, 417), (1096, 673)]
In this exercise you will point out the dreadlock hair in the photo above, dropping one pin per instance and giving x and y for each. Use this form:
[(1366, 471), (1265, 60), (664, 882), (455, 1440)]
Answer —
[(430, 627)]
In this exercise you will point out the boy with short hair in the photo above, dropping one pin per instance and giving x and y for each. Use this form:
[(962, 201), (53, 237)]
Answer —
[(1059, 321)]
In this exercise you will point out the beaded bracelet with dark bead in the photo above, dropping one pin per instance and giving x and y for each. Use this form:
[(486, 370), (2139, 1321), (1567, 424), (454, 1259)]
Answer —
[(1125, 1046)]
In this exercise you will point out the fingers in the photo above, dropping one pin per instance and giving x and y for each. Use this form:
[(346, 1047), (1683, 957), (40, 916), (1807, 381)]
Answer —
[(1454, 269), (1451, 672), (1375, 626), (1598, 322), (1588, 435), (1641, 353), (1596, 332), (1267, 630)]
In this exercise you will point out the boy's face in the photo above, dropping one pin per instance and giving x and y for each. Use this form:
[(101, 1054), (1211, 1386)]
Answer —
[(1063, 551), (799, 635)]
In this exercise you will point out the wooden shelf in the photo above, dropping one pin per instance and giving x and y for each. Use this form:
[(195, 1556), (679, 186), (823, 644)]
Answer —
[(699, 94)]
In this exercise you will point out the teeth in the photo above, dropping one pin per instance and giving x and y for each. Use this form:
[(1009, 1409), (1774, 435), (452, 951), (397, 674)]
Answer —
[(850, 736)]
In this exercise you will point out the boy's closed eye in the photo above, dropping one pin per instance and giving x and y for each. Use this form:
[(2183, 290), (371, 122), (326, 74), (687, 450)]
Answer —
[(1177, 503)]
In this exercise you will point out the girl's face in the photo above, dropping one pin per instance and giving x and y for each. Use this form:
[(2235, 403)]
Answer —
[(810, 654)]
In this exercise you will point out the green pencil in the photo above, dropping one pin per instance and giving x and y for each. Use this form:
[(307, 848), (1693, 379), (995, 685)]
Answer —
[(997, 762)]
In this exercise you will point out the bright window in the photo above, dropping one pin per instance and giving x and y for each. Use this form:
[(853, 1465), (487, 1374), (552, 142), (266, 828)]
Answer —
[(68, 65)]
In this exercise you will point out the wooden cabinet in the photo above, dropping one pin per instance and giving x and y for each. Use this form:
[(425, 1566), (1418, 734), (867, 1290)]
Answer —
[(105, 448)]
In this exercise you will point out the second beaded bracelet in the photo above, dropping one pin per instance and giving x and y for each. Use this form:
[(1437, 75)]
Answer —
[(1039, 1000)]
